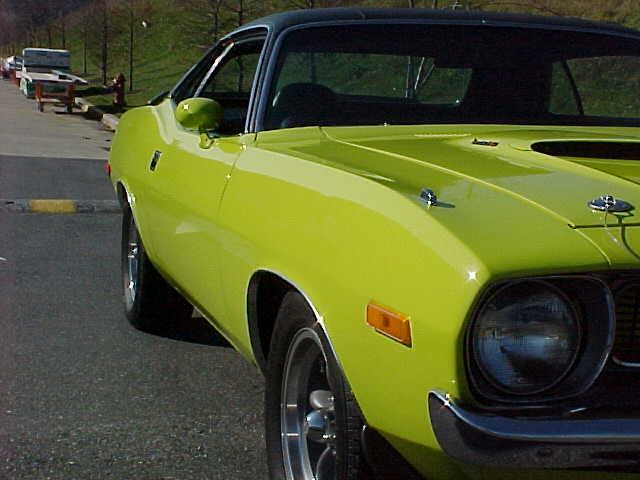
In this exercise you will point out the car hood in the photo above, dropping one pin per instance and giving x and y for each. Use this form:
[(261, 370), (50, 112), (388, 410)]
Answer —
[(516, 197), (556, 170)]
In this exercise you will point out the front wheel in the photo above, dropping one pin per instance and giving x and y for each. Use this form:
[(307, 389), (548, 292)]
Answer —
[(313, 423), (150, 302)]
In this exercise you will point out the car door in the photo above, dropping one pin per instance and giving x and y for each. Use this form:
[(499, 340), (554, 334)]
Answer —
[(190, 177)]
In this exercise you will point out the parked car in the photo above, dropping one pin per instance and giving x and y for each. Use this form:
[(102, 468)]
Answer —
[(418, 224), (10, 65), (38, 61)]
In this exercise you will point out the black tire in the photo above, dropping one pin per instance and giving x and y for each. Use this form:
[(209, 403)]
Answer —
[(150, 303), (296, 340)]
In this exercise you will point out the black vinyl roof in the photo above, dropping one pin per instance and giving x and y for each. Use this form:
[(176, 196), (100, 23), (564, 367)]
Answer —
[(281, 21)]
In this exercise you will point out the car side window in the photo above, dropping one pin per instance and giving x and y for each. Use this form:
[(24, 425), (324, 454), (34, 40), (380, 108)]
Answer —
[(230, 83), (607, 87), (563, 96), (443, 85)]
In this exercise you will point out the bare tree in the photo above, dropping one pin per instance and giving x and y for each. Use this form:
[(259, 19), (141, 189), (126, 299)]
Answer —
[(84, 30), (315, 3), (532, 6), (62, 20), (49, 35), (211, 18), (58, 16), (132, 31), (131, 13), (96, 30), (9, 32), (104, 43), (215, 8)]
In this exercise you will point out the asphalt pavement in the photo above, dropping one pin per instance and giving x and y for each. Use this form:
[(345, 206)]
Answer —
[(53, 178), (82, 394), (54, 134)]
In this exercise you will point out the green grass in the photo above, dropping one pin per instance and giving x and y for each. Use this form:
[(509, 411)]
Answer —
[(162, 54), (179, 32)]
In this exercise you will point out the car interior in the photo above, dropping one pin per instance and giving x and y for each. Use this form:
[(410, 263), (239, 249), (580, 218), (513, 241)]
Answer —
[(345, 79)]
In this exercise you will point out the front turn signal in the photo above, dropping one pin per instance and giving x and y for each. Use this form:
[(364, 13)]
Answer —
[(393, 324)]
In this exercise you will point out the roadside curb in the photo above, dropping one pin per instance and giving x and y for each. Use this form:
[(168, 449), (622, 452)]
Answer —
[(59, 206), (108, 120)]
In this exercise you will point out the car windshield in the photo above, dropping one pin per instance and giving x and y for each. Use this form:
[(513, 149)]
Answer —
[(420, 74)]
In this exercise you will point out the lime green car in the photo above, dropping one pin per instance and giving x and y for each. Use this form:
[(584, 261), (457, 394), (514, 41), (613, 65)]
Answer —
[(419, 225)]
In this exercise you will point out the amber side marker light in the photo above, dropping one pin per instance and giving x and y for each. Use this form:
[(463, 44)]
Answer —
[(392, 324)]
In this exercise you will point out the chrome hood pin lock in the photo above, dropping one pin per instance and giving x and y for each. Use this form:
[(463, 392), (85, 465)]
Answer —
[(609, 204), (429, 197)]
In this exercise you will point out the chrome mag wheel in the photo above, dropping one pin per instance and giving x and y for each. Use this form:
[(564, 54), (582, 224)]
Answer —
[(150, 303), (133, 262), (308, 419)]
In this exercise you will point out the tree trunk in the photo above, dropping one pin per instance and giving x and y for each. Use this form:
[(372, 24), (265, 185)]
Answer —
[(63, 31), (131, 32), (84, 46), (216, 20), (105, 42)]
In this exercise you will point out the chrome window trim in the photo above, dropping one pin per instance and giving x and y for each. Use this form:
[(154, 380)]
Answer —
[(214, 65), (236, 37), (184, 77)]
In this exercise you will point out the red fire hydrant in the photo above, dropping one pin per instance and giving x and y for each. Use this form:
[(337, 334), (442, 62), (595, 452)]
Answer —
[(118, 91)]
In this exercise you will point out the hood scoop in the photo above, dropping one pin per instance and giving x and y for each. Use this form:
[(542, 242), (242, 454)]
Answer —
[(589, 149)]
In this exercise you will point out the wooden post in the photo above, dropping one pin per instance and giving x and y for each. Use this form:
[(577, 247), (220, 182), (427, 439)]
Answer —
[(71, 95), (39, 97)]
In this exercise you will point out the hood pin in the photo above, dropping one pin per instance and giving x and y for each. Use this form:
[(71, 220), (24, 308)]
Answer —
[(429, 197), (609, 204)]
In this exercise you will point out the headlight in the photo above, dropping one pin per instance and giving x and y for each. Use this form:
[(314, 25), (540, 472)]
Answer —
[(526, 337)]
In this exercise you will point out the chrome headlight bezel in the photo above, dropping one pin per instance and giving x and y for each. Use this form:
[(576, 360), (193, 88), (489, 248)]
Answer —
[(593, 304)]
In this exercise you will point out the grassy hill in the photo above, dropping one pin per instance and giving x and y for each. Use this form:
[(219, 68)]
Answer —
[(162, 53), (178, 32)]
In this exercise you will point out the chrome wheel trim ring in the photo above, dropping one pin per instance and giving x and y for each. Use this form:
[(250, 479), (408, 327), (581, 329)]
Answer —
[(307, 414)]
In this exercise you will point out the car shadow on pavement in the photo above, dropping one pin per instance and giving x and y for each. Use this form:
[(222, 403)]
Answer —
[(194, 330)]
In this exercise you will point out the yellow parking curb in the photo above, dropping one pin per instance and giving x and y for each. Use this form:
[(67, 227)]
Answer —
[(52, 206), (58, 206)]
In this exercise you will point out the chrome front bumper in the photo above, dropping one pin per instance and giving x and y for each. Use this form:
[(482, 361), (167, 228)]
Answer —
[(530, 443)]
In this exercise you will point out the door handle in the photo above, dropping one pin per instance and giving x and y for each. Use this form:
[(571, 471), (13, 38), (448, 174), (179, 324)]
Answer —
[(154, 160)]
